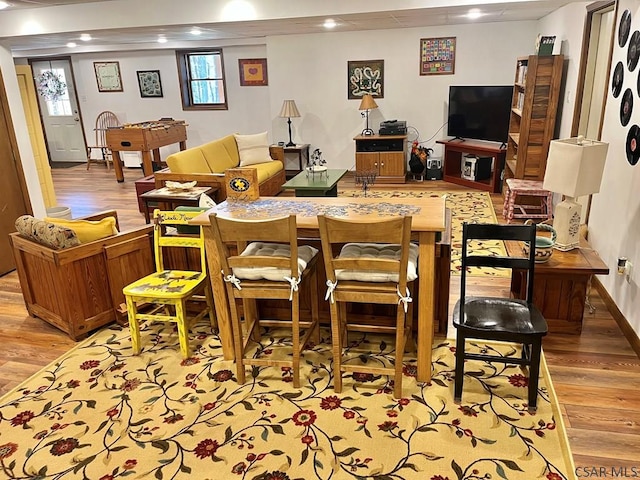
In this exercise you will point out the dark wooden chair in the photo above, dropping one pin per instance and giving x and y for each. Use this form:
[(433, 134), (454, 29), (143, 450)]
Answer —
[(266, 262), (496, 318), (375, 264)]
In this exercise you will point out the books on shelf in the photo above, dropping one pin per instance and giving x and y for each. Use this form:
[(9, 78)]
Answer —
[(521, 74), (520, 101)]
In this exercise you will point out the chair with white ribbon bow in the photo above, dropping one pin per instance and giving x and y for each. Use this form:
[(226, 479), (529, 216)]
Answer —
[(266, 262), (377, 264)]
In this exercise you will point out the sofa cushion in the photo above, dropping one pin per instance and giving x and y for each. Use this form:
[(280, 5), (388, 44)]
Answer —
[(221, 154), (267, 170), (191, 160), (88, 230), (46, 233), (253, 149)]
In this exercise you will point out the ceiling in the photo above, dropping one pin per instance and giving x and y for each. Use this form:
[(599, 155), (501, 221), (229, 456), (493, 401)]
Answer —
[(146, 37)]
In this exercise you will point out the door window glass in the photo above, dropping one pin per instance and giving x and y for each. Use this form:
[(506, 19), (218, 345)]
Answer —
[(61, 106)]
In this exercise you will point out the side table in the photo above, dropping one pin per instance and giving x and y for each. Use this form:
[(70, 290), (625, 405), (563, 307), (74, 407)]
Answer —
[(301, 149), (173, 198), (144, 185), (561, 285)]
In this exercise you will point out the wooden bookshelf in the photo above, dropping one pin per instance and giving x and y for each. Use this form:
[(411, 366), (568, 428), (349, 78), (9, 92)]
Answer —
[(536, 95)]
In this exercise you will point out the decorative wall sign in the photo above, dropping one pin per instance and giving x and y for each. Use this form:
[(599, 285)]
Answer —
[(438, 56), (149, 83), (253, 72), (108, 76), (365, 76)]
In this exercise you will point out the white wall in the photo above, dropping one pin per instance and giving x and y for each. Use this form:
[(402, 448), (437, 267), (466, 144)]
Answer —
[(567, 24), (312, 70), (248, 106), (615, 211), (22, 134)]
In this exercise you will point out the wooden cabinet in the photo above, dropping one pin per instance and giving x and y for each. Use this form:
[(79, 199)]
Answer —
[(536, 94), (383, 154)]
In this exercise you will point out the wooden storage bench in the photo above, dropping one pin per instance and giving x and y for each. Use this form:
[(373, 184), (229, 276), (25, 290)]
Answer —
[(79, 289)]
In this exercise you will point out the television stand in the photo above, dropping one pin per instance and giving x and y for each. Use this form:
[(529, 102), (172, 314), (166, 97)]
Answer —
[(452, 164)]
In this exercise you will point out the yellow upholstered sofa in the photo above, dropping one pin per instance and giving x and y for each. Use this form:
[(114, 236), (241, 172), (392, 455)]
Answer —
[(207, 163)]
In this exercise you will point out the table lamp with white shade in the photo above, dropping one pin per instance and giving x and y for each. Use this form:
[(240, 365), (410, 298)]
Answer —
[(574, 168)]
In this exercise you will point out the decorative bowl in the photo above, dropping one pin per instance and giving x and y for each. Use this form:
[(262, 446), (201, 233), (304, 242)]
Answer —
[(544, 244)]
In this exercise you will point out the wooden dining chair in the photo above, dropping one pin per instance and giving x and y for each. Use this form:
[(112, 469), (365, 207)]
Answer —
[(375, 263), (166, 292), (104, 121), (497, 318), (266, 262)]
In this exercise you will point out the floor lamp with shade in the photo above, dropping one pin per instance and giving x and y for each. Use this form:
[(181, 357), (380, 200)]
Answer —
[(288, 111), (574, 168)]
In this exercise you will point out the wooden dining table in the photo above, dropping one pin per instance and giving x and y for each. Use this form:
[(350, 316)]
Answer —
[(428, 218)]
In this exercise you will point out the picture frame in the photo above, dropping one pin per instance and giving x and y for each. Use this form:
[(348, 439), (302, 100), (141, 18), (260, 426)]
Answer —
[(253, 72), (149, 83), (108, 76), (365, 76), (438, 56)]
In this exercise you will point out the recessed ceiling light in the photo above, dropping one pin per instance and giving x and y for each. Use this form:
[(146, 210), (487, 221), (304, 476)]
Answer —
[(72, 44), (195, 31), (329, 23), (162, 39), (474, 13), (3, 5), (85, 37)]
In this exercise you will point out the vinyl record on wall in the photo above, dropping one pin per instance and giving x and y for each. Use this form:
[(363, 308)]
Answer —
[(624, 28), (626, 107), (633, 144), (633, 52), (617, 79)]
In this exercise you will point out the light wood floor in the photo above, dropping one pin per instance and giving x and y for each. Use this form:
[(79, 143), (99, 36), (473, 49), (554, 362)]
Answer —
[(596, 374)]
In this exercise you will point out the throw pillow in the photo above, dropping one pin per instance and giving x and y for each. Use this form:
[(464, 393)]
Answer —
[(253, 149), (88, 230), (46, 233)]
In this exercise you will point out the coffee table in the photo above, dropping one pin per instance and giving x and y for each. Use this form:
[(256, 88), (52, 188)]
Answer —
[(173, 198), (318, 184)]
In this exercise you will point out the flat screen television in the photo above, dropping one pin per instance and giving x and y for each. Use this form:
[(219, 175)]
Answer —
[(479, 112)]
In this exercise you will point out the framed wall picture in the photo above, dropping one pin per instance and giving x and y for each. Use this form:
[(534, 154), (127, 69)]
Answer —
[(365, 76), (149, 83), (253, 72), (108, 76), (438, 56)]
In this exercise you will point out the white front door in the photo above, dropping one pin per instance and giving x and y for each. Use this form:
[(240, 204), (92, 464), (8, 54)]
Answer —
[(61, 119)]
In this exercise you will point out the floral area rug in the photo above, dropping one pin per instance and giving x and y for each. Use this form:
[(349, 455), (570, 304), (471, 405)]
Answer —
[(472, 207), (100, 413)]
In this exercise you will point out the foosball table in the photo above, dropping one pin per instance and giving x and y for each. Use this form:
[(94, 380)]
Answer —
[(145, 137)]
